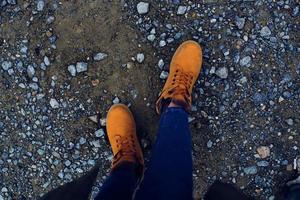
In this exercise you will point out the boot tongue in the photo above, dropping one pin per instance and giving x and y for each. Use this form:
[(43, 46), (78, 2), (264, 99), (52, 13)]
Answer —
[(180, 100)]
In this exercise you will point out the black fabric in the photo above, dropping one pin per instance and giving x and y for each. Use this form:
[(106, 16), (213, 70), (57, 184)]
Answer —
[(224, 191), (78, 189)]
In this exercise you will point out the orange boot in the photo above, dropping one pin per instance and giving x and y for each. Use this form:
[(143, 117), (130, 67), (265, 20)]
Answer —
[(122, 137), (184, 70)]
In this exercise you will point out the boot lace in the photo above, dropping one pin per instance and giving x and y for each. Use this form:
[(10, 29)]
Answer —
[(181, 83), (126, 146)]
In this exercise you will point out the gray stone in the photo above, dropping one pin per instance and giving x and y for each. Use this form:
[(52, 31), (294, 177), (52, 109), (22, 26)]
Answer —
[(96, 143), (10, 71), (250, 170), (40, 5), (40, 152), (265, 31), (67, 163), (6, 65), (82, 141), (263, 163), (99, 133), (12, 2), (46, 61), (50, 19), (240, 22), (209, 144), (181, 10), (61, 175), (116, 100), (151, 37), (164, 75), (140, 57), (222, 72), (54, 103), (100, 56), (162, 43), (161, 64), (72, 70), (142, 8), (81, 67), (30, 71), (290, 122), (246, 61)]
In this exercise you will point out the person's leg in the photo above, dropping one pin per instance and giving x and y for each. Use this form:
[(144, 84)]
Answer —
[(169, 175), (128, 163), (120, 184)]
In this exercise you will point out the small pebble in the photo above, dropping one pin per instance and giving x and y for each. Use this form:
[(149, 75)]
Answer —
[(142, 8), (164, 75), (222, 72), (181, 10), (72, 70), (250, 170), (81, 67), (100, 56), (140, 57), (246, 61), (54, 103), (40, 5), (265, 31)]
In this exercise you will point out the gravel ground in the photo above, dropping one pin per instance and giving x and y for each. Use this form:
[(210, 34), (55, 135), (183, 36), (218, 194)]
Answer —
[(64, 62)]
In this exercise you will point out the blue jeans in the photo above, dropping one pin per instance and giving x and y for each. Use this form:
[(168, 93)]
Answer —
[(169, 174)]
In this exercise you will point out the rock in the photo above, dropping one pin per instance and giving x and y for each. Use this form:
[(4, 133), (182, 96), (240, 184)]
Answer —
[(103, 121), (81, 67), (181, 10), (250, 170), (6, 65), (265, 31), (160, 64), (30, 71), (290, 122), (40, 5), (50, 19), (240, 22), (94, 118), (82, 141), (72, 70), (263, 163), (12, 2), (100, 56), (164, 75), (263, 151), (61, 175), (67, 163), (222, 72), (295, 11), (209, 144), (246, 61), (53, 103), (140, 57), (162, 43), (46, 61), (116, 100), (99, 133), (213, 20), (96, 143), (40, 152), (142, 8), (151, 37)]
